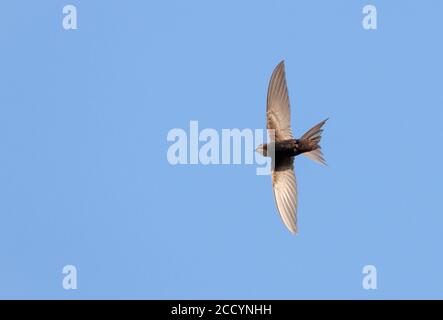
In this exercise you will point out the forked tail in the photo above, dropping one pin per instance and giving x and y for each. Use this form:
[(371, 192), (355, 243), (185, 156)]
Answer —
[(314, 136)]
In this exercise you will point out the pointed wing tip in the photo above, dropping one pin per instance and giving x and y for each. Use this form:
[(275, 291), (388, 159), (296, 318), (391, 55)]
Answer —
[(281, 65), (293, 231)]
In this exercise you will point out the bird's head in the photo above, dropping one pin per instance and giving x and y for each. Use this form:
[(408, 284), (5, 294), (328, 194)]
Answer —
[(261, 149)]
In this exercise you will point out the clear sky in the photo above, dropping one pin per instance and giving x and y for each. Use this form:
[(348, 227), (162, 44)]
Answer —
[(85, 181)]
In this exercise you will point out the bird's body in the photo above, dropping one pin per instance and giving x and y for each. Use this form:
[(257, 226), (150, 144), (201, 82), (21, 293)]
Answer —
[(283, 147), (290, 147)]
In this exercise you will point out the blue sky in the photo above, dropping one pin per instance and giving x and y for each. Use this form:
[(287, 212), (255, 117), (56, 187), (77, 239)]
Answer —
[(84, 178)]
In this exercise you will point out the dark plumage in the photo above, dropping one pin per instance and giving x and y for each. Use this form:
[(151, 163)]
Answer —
[(283, 147)]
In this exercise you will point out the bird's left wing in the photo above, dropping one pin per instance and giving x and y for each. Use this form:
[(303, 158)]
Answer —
[(278, 113)]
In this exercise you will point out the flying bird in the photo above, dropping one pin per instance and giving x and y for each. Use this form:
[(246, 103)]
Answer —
[(283, 147)]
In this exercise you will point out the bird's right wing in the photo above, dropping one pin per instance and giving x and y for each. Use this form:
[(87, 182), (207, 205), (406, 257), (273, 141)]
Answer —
[(285, 192), (278, 113)]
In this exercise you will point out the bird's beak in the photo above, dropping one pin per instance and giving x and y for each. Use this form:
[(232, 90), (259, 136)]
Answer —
[(259, 150)]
